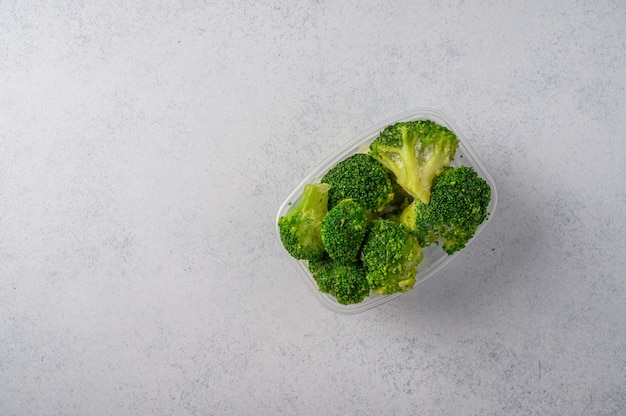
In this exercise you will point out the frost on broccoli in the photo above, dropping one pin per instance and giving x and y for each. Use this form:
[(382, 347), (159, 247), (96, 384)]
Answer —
[(391, 254), (457, 207), (361, 178), (300, 228), (415, 152)]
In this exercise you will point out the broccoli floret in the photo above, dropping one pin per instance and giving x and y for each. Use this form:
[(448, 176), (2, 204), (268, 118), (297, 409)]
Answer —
[(422, 221), (391, 254), (317, 264), (347, 282), (300, 228), (415, 152), (458, 205), (343, 231), (362, 178)]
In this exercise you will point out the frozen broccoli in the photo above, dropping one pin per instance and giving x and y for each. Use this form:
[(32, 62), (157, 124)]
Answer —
[(300, 228), (391, 254), (361, 178), (363, 229), (343, 230), (347, 282), (419, 217), (415, 152), (458, 205)]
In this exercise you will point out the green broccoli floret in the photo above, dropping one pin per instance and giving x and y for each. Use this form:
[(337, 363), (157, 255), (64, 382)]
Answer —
[(300, 228), (361, 178), (343, 231), (458, 205), (347, 282), (415, 152), (419, 217), (317, 264), (391, 254)]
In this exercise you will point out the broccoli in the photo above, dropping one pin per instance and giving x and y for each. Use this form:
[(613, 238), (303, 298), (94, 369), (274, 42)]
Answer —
[(401, 199), (343, 231), (363, 229), (419, 217), (458, 205), (361, 178), (317, 264), (415, 152), (300, 229), (391, 254), (347, 282)]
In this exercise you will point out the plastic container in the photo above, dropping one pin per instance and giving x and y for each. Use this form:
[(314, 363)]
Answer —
[(434, 257)]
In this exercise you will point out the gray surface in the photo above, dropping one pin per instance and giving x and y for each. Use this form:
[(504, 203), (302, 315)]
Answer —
[(145, 149)]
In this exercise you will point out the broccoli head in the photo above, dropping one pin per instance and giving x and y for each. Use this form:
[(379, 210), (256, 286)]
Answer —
[(421, 219), (343, 231), (347, 282), (458, 205), (415, 152), (300, 228), (391, 254), (361, 178)]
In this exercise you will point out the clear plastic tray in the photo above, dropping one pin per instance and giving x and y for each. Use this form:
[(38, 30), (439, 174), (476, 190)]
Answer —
[(434, 257)]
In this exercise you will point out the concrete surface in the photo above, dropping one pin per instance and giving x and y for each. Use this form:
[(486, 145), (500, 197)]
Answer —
[(146, 146)]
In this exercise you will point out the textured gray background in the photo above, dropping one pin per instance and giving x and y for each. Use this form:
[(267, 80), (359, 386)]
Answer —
[(145, 148)]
